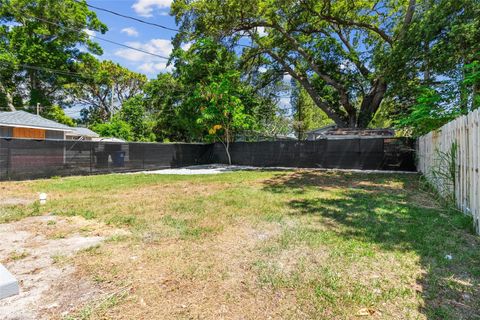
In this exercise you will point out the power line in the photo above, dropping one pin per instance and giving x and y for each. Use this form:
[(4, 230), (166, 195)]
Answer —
[(56, 71), (128, 17), (97, 37)]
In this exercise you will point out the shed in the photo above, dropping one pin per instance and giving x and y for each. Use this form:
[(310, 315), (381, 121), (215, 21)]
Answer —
[(332, 132)]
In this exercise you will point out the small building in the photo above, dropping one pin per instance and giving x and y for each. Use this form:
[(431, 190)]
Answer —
[(24, 125), (81, 133), (31, 145), (332, 132), (319, 133)]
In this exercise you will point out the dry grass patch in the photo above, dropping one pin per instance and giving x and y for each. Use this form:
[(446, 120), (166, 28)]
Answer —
[(210, 278), (258, 245)]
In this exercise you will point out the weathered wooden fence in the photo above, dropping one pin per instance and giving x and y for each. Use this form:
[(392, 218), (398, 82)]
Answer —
[(458, 140)]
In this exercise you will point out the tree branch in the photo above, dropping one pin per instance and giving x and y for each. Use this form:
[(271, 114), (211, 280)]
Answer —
[(309, 88), (355, 59), (351, 23), (342, 91), (408, 17)]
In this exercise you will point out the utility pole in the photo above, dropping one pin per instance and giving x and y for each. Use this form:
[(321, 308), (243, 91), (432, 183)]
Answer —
[(111, 101)]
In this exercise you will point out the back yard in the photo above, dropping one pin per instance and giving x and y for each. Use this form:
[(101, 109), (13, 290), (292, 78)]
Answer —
[(242, 245)]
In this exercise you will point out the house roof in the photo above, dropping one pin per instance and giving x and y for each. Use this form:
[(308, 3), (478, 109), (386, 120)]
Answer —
[(361, 132), (83, 132), (322, 129), (332, 132), (110, 139), (24, 119)]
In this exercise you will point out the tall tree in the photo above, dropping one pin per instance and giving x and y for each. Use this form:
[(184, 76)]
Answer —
[(306, 115), (164, 97), (131, 123), (134, 113), (433, 71), (169, 96), (222, 113), (443, 42), (330, 47), (340, 52), (40, 43), (103, 88)]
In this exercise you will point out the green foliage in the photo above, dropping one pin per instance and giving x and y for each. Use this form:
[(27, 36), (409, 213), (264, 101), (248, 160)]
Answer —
[(442, 42), (439, 104), (444, 173), (170, 98), (305, 114), (163, 98), (383, 117), (56, 113), (471, 83), (26, 40), (222, 112), (334, 49), (116, 128), (131, 123), (103, 88), (133, 112), (429, 113)]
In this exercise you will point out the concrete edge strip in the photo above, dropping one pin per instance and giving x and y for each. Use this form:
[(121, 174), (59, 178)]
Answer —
[(8, 283), (236, 168)]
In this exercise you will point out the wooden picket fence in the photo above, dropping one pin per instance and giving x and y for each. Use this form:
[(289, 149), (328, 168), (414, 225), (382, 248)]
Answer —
[(460, 138)]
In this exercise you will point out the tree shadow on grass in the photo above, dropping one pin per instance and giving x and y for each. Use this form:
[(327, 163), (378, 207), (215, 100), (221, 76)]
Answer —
[(388, 211)]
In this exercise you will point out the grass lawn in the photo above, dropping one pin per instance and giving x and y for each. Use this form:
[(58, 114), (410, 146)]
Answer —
[(260, 245)]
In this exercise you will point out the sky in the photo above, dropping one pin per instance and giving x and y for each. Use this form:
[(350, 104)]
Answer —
[(138, 35), (135, 34)]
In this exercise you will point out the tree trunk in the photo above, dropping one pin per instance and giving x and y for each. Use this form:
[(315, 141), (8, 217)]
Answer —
[(227, 151), (352, 120), (34, 88), (226, 144), (371, 103), (8, 97)]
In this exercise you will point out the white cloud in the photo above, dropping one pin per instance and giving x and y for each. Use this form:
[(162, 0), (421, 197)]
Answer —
[(145, 8), (130, 31), (160, 47), (287, 78), (284, 102), (148, 64), (261, 31), (152, 68), (186, 46), (89, 32), (347, 65)]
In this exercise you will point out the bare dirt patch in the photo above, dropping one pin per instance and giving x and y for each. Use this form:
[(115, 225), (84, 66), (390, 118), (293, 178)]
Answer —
[(15, 201), (36, 251)]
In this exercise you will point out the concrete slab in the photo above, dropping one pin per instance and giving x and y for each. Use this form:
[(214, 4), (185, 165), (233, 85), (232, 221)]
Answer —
[(8, 284)]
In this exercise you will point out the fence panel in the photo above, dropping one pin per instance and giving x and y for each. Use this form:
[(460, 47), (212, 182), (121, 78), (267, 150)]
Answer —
[(27, 159), (457, 143), (359, 153)]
